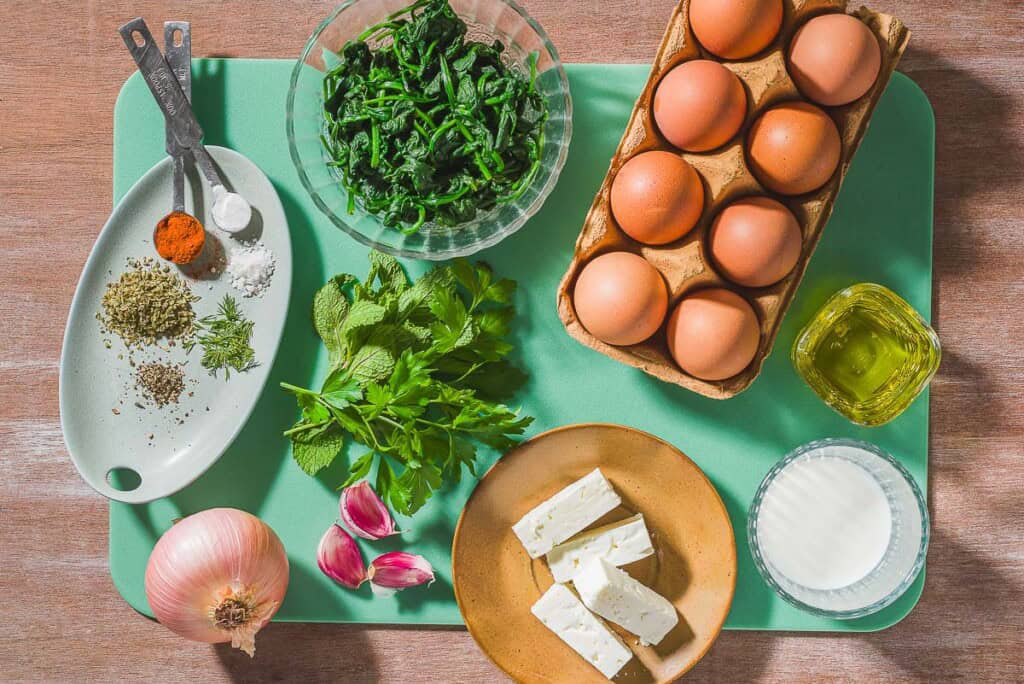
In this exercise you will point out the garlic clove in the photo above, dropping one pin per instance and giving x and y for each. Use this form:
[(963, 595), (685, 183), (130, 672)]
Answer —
[(340, 558), (382, 592), (364, 513), (399, 570)]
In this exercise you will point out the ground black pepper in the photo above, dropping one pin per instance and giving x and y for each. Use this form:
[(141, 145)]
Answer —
[(161, 383)]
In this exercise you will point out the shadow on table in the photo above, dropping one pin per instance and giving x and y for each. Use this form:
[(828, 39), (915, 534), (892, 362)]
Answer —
[(976, 142), (304, 652), (296, 652), (969, 604)]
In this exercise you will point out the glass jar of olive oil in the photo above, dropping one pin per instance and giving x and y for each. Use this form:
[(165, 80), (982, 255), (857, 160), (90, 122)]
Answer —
[(867, 353)]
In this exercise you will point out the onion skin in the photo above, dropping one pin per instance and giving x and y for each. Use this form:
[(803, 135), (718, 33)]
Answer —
[(217, 576)]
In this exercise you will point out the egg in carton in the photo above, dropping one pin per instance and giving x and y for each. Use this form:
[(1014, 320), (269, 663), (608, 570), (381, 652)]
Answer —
[(726, 176)]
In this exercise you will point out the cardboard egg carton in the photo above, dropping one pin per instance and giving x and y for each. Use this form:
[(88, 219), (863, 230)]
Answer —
[(684, 263)]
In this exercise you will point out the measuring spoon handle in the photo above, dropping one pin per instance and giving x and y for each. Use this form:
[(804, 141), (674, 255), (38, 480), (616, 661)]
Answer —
[(162, 82), (169, 96), (179, 58)]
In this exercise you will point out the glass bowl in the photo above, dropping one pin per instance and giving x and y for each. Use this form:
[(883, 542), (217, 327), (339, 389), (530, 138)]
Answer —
[(802, 575), (486, 20)]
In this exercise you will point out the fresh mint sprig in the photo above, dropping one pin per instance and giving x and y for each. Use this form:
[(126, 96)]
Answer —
[(416, 372)]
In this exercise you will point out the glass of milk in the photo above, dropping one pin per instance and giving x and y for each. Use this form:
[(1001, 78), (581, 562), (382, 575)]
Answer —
[(838, 528)]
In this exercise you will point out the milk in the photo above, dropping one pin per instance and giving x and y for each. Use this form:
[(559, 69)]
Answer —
[(825, 523)]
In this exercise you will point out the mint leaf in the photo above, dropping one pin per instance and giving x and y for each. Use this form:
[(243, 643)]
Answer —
[(388, 271), (412, 299), (330, 307), (316, 454), (372, 363), (418, 333), (362, 314)]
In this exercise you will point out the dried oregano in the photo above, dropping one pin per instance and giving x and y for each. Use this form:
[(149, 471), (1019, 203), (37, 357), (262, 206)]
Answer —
[(148, 303)]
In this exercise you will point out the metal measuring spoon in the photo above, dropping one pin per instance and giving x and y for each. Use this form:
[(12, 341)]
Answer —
[(179, 58), (231, 211)]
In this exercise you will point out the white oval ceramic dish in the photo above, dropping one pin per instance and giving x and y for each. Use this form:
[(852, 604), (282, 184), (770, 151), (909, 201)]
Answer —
[(104, 428)]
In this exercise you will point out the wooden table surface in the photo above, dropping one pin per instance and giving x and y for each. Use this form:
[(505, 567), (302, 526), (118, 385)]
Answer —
[(61, 65)]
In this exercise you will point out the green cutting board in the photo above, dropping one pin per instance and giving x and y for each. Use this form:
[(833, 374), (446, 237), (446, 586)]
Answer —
[(881, 231)]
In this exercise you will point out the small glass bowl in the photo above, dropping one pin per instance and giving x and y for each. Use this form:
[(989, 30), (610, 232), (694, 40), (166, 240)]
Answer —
[(487, 20), (904, 555), (867, 353)]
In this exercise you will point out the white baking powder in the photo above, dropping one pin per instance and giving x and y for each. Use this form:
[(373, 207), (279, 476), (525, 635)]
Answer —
[(231, 211)]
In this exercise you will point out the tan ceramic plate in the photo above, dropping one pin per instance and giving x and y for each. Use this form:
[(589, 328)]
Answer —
[(694, 564)]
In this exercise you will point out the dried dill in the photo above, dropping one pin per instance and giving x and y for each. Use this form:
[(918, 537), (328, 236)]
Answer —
[(225, 338)]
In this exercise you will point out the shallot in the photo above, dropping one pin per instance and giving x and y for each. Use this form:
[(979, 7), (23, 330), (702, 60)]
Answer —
[(217, 576)]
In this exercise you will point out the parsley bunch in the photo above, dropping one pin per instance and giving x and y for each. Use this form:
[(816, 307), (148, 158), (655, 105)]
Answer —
[(416, 370), (427, 126)]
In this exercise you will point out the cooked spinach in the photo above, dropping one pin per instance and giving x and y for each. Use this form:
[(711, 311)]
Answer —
[(427, 126)]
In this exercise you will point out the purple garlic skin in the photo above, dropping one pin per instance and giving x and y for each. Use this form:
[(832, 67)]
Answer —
[(364, 513), (339, 558), (400, 570)]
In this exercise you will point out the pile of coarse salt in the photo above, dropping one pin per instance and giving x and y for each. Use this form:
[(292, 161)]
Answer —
[(250, 268)]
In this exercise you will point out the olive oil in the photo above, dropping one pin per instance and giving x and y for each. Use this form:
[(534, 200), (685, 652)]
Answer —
[(867, 353)]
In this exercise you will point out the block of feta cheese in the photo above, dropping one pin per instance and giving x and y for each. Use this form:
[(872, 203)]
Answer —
[(561, 612), (617, 597), (619, 543), (566, 513)]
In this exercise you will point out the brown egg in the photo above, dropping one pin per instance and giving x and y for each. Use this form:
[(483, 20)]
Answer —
[(699, 105), (793, 148), (755, 241), (735, 29), (834, 59), (713, 334), (657, 197), (620, 298)]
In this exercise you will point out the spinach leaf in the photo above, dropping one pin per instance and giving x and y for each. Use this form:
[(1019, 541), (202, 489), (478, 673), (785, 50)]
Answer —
[(423, 125)]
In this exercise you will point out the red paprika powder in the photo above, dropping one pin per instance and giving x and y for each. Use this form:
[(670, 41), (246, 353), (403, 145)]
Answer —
[(179, 237)]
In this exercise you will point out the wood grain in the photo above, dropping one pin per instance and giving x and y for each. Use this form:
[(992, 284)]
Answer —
[(61, 66)]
